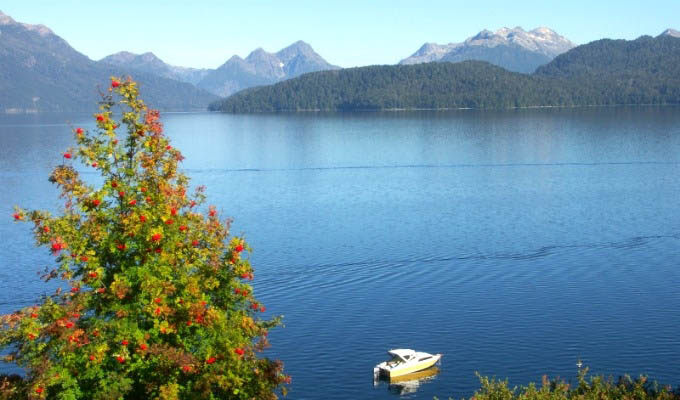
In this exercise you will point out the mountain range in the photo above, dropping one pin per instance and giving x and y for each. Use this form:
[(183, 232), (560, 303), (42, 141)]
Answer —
[(603, 72), (263, 68), (513, 49), (40, 71), (259, 68)]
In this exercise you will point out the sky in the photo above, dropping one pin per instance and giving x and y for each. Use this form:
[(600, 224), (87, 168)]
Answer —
[(349, 33)]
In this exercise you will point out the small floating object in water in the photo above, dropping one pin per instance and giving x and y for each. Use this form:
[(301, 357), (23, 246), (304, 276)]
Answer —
[(579, 364), (404, 361)]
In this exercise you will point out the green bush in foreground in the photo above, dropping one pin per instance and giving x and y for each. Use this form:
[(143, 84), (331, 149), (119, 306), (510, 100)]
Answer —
[(592, 388), (156, 305)]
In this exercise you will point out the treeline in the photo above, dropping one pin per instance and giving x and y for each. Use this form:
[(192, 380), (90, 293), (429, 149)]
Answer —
[(605, 72)]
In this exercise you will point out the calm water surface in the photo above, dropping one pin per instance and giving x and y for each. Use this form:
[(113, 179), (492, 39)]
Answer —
[(513, 242)]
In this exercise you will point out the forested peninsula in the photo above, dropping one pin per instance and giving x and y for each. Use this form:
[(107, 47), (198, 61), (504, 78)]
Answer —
[(604, 72)]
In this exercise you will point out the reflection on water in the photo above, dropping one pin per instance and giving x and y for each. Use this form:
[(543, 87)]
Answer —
[(409, 383)]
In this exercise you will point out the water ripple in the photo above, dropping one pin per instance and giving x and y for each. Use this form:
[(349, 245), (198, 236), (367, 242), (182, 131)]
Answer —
[(541, 252), (214, 171)]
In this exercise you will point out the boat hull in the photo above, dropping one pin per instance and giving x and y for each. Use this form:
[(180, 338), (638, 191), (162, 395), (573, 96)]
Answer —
[(424, 374)]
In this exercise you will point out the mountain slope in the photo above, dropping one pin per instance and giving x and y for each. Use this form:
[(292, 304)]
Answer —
[(643, 71), (473, 84), (41, 72), (299, 58), (513, 49), (511, 57), (263, 68), (606, 57)]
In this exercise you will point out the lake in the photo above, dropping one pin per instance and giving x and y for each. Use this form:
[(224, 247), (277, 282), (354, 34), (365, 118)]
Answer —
[(513, 242)]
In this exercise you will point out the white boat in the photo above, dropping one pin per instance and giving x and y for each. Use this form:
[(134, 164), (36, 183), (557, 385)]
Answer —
[(404, 361)]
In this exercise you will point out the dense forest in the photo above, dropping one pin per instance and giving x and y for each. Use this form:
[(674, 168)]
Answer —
[(604, 72)]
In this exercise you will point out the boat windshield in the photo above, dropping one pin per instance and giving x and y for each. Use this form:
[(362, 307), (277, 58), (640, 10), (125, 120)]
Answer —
[(395, 360)]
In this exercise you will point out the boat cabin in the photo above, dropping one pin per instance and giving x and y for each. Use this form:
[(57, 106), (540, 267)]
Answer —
[(401, 355)]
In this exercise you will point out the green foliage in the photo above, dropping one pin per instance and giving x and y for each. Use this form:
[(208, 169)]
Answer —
[(158, 304), (607, 72), (593, 388), (658, 55)]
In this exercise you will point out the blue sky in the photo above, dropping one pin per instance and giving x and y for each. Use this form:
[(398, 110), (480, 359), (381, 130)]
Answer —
[(346, 33)]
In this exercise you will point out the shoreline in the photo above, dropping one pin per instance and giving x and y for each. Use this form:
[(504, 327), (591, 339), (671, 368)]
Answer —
[(368, 110)]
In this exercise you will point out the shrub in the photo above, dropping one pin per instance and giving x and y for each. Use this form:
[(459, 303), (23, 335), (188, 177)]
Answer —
[(589, 388)]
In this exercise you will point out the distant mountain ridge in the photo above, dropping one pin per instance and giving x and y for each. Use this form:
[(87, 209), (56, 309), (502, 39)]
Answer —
[(603, 72), (42, 30), (148, 62), (263, 68), (513, 49), (40, 71), (259, 68)]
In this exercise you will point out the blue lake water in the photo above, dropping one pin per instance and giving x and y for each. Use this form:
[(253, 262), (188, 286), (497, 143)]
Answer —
[(513, 242)]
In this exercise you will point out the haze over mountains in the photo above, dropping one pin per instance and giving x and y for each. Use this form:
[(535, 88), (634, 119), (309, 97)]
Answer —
[(513, 49)]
